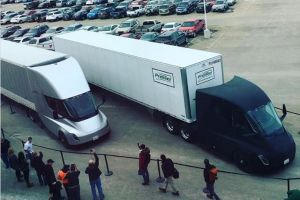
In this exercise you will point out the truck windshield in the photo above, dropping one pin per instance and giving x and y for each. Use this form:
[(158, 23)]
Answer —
[(81, 106), (265, 119)]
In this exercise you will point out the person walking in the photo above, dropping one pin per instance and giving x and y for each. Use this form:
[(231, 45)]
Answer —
[(55, 189), (5, 145), (210, 176), (49, 173), (13, 160), (74, 187), (144, 159), (167, 167), (94, 176), (38, 164), (61, 177), (24, 167), (28, 149)]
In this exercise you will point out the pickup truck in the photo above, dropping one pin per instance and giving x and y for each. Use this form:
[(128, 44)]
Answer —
[(150, 26), (192, 27)]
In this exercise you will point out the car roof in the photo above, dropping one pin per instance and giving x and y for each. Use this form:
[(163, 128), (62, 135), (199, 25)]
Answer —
[(170, 23), (168, 33)]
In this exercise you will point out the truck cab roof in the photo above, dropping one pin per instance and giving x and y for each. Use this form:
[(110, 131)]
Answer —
[(239, 92)]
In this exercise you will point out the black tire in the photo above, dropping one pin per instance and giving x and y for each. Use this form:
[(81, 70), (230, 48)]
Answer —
[(241, 161), (170, 124), (185, 132)]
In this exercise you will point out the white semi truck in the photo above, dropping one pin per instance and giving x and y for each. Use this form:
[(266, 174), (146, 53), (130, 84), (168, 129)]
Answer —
[(54, 90)]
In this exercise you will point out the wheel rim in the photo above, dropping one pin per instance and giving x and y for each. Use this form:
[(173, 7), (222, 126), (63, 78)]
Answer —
[(185, 134), (170, 125)]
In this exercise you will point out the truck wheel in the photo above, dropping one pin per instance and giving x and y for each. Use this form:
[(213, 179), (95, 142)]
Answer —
[(186, 133), (241, 161), (63, 139), (171, 125)]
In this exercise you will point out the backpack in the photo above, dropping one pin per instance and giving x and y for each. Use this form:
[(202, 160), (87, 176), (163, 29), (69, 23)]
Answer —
[(213, 172), (148, 156)]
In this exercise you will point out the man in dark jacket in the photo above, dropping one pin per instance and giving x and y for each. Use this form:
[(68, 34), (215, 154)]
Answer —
[(94, 176), (144, 159), (168, 170), (73, 183), (209, 180), (49, 173), (13, 161), (24, 167), (38, 164), (5, 144)]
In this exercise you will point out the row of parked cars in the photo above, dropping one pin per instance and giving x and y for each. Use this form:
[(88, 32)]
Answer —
[(127, 8)]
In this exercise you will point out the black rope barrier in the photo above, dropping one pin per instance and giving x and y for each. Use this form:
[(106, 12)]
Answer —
[(295, 113)]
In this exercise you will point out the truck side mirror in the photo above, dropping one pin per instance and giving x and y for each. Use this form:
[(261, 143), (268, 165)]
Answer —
[(283, 112), (55, 115)]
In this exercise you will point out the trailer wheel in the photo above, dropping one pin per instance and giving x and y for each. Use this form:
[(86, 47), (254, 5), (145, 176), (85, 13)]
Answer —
[(171, 124), (186, 133)]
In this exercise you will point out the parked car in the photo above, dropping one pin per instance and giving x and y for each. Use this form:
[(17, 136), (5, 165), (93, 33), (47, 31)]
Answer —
[(71, 3), (31, 5), (6, 19), (39, 16), (80, 2), (200, 6), (105, 12), (61, 3), (37, 31), (47, 4), (135, 11), (23, 40), (68, 14), (185, 7), (109, 29), (177, 2), (131, 35), (192, 27), (152, 8), (38, 41), (81, 15), (72, 27), (220, 6), (127, 26), (173, 37), (20, 19), (93, 14), (89, 28), (8, 31), (54, 16), (76, 7), (53, 30), (231, 2), (150, 26), (150, 36), (170, 26), (166, 9), (19, 33), (119, 12)]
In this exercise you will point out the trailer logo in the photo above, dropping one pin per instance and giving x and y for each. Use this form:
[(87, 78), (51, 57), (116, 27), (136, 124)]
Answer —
[(162, 77), (205, 75)]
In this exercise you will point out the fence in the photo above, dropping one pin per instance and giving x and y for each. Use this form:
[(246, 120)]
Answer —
[(159, 179)]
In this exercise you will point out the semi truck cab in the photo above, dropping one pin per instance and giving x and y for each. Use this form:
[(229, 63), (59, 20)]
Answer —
[(238, 120)]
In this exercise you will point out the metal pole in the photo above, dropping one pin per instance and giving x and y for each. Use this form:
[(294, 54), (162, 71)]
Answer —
[(62, 157), (107, 173), (159, 179), (288, 184), (205, 19)]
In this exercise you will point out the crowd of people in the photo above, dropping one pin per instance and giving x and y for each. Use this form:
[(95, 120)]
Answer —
[(68, 176)]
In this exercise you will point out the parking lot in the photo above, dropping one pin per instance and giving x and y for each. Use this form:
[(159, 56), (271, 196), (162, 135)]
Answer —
[(259, 40)]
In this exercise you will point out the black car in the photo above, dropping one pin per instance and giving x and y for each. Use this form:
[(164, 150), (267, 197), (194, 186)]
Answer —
[(105, 12), (185, 8), (166, 9), (47, 4), (174, 37), (119, 12), (68, 14), (149, 36), (37, 31), (77, 7), (31, 5), (200, 7), (80, 15), (18, 33), (39, 16), (242, 126), (5, 32)]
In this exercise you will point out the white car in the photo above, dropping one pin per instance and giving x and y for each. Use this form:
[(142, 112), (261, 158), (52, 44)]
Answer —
[(42, 42), (52, 31), (20, 19), (23, 40), (109, 29), (231, 2), (54, 16), (6, 19), (170, 26), (127, 26), (220, 6), (135, 11)]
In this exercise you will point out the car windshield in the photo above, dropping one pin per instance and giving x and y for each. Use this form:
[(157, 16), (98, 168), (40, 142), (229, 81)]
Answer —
[(265, 119), (163, 7), (81, 107), (34, 30), (33, 41), (104, 28), (119, 9), (219, 2), (188, 24), (51, 30), (148, 36), (168, 26), (124, 25), (163, 38), (70, 28), (123, 4), (95, 10)]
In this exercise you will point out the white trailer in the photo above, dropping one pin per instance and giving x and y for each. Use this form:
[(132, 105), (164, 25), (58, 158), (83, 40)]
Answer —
[(54, 90), (159, 76)]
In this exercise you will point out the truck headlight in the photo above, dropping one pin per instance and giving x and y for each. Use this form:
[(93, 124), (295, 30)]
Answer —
[(264, 160)]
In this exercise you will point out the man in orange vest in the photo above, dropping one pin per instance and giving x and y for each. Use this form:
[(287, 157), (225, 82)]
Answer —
[(61, 177), (210, 176)]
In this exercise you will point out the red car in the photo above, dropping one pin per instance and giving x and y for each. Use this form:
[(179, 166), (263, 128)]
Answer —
[(131, 35), (192, 27)]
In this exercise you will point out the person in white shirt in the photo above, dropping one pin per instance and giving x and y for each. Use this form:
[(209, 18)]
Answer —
[(28, 148)]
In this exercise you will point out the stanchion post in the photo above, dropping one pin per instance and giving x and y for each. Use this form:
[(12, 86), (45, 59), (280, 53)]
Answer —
[(288, 184), (159, 179), (62, 157), (2, 133), (108, 172)]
